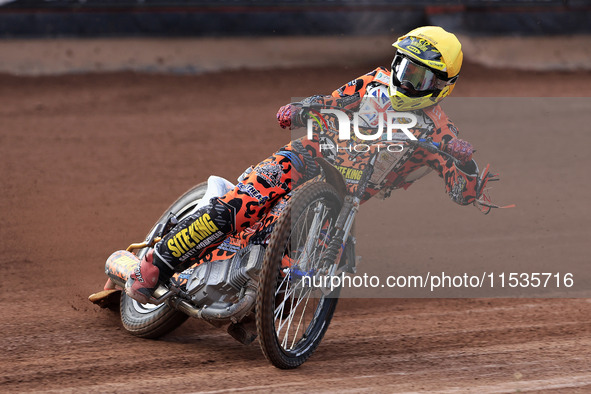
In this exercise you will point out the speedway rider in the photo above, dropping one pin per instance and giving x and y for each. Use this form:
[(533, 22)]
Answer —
[(424, 71)]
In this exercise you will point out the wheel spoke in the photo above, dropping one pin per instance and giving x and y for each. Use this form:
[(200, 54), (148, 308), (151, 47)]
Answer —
[(307, 245), (295, 335)]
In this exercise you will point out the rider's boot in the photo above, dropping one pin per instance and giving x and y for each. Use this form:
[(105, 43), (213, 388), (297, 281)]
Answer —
[(206, 228), (145, 278)]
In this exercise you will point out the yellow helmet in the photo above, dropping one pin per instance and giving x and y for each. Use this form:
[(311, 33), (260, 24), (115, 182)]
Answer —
[(425, 68)]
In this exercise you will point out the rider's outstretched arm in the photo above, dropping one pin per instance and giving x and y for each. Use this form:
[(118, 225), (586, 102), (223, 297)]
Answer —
[(347, 96), (462, 183)]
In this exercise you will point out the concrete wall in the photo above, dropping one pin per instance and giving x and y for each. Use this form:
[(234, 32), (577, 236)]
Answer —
[(200, 55)]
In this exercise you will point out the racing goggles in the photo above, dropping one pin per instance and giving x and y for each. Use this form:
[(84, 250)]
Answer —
[(419, 78)]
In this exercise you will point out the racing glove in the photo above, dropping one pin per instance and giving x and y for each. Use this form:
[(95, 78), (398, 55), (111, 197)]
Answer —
[(290, 114), (460, 149), (294, 115)]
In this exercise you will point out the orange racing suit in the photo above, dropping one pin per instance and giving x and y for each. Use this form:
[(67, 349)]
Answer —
[(264, 184)]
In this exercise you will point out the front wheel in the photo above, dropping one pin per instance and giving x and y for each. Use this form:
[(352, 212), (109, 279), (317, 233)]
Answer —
[(292, 315), (153, 321)]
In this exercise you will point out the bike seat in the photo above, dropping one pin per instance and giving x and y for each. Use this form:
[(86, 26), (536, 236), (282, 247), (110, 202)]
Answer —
[(216, 187)]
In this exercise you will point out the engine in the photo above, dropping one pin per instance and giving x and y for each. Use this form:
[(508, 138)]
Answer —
[(223, 282)]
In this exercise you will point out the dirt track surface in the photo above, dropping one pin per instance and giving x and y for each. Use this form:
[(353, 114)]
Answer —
[(89, 162)]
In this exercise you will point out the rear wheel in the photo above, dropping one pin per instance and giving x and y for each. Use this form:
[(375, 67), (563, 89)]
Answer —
[(153, 321), (293, 313)]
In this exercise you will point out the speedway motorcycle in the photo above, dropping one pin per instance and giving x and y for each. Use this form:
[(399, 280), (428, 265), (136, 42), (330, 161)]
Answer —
[(258, 281)]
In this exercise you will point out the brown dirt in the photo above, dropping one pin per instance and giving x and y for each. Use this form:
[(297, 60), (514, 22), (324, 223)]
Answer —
[(87, 164)]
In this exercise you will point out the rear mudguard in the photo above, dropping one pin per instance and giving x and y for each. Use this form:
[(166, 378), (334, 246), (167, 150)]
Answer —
[(120, 265)]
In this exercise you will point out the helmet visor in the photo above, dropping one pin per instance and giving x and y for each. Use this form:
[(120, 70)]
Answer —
[(419, 78)]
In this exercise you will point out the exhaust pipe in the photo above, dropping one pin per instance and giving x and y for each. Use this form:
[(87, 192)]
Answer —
[(233, 313)]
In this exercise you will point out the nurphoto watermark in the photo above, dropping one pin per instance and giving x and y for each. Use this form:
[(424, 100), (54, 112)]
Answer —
[(395, 132)]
